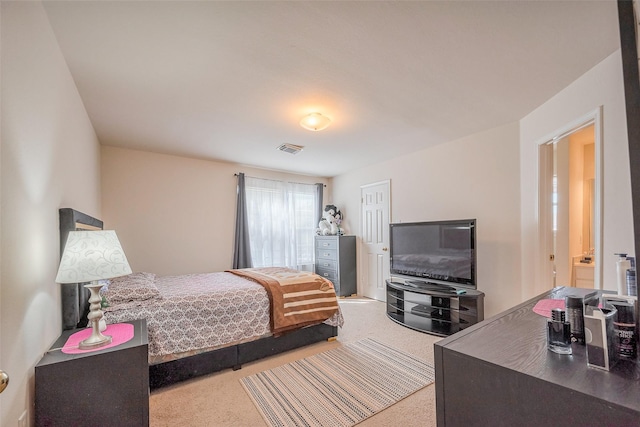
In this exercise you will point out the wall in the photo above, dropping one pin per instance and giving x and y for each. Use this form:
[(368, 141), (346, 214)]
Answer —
[(473, 177), (50, 159), (175, 215), (601, 86)]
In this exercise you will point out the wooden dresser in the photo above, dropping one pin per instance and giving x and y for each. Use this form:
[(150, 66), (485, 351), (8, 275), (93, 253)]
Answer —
[(500, 373), (336, 261)]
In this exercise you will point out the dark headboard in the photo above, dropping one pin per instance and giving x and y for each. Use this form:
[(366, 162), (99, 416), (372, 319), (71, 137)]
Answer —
[(75, 298)]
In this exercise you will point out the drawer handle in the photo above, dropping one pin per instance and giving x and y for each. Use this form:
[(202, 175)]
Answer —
[(325, 244), (326, 274), (326, 264)]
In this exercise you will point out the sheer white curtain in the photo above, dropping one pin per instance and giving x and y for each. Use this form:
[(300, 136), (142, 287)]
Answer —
[(281, 218)]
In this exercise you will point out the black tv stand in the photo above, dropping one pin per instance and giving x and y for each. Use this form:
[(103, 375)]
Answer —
[(433, 308), (430, 286)]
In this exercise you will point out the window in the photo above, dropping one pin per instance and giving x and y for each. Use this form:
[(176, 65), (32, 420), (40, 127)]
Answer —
[(282, 222)]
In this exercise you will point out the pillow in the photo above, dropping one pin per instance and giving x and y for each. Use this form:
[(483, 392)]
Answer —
[(133, 287)]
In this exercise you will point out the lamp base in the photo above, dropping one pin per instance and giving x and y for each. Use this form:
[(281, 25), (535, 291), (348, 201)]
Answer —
[(95, 315), (94, 342)]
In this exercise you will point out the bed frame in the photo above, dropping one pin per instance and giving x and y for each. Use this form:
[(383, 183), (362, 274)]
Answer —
[(75, 307), (235, 356)]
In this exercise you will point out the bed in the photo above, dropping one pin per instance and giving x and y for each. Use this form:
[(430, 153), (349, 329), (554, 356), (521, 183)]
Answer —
[(197, 323)]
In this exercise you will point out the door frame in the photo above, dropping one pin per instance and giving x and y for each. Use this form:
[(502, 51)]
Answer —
[(544, 204)]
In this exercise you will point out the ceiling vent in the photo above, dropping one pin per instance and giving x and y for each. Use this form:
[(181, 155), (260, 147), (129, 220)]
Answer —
[(291, 148)]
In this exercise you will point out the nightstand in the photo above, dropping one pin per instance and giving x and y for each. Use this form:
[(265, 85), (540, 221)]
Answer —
[(100, 388)]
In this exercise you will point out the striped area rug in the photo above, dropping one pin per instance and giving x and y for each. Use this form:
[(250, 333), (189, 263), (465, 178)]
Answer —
[(339, 387)]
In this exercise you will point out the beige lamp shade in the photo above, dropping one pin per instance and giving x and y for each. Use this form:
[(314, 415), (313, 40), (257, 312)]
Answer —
[(92, 255)]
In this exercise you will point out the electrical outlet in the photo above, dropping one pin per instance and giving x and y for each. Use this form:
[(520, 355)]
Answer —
[(22, 421)]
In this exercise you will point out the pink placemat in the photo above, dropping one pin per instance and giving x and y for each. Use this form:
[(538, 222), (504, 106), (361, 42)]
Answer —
[(120, 334), (544, 306)]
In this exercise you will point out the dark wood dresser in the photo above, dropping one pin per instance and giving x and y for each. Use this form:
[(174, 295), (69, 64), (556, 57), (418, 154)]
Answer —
[(336, 260), (500, 373)]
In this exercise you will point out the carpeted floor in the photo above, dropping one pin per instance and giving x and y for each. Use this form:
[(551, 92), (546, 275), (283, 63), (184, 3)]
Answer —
[(220, 400)]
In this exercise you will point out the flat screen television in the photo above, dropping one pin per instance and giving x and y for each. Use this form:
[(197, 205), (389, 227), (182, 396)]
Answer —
[(441, 253)]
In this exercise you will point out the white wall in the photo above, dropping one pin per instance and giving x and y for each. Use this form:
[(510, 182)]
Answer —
[(50, 159), (175, 215), (602, 86), (473, 177)]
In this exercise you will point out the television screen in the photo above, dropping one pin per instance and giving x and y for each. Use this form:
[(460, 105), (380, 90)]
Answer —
[(440, 251)]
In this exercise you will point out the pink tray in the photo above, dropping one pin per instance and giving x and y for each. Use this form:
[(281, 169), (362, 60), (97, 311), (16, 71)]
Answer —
[(120, 334)]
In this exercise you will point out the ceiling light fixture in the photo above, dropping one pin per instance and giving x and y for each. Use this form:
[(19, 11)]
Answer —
[(315, 122)]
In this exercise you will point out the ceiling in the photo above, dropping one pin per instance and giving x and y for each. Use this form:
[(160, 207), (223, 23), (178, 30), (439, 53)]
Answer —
[(231, 80)]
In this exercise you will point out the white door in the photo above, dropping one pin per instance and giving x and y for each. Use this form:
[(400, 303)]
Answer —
[(548, 215), (569, 218), (555, 218), (375, 202), (4, 378), (562, 256)]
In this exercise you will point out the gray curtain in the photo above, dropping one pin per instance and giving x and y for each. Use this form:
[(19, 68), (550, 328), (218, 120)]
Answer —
[(241, 246), (319, 195)]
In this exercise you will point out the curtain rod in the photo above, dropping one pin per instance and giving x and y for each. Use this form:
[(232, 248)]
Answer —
[(278, 180)]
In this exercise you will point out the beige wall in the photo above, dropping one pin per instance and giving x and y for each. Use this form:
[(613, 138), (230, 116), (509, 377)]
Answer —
[(175, 215), (473, 177), (602, 86), (50, 159)]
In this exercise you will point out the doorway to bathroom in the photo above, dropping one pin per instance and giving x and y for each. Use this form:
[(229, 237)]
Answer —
[(570, 204)]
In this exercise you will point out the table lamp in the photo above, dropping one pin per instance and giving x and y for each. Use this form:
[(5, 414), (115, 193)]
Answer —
[(91, 256)]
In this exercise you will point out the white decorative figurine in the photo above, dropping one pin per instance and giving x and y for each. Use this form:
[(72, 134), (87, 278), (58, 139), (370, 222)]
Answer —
[(330, 223)]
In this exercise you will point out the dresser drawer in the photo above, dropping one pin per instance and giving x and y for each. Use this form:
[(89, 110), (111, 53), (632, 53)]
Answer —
[(327, 264), (324, 254), (326, 243), (327, 274)]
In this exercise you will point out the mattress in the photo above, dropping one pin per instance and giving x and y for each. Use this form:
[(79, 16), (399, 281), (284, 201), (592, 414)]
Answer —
[(200, 312)]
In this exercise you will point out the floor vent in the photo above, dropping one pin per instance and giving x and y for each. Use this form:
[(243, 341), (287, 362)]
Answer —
[(291, 148)]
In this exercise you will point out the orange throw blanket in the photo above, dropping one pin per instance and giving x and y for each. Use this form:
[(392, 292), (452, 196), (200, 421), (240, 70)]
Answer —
[(298, 298)]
